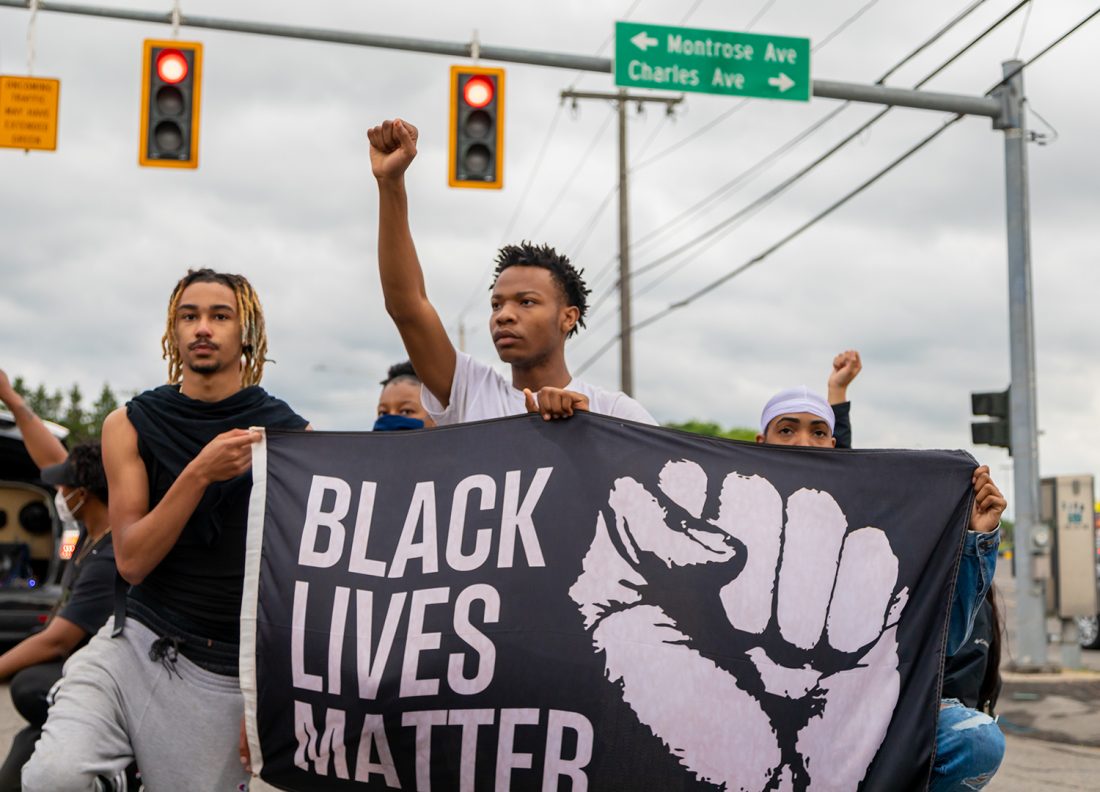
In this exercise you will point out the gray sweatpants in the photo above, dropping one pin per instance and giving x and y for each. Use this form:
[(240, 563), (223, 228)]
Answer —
[(114, 704)]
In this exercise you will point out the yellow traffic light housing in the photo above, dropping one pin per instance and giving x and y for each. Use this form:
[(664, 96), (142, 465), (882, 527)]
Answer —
[(171, 90), (476, 151)]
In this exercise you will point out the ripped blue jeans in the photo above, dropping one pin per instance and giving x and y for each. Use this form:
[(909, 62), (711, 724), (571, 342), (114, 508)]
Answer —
[(969, 749)]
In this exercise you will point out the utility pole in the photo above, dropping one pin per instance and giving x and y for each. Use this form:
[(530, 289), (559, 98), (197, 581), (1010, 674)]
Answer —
[(621, 98), (1031, 650)]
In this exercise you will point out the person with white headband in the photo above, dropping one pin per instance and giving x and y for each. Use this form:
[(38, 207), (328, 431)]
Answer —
[(969, 744), (798, 417)]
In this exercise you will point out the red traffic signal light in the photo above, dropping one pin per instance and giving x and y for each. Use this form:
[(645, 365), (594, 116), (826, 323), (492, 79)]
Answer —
[(478, 92), (170, 93), (476, 157), (171, 66)]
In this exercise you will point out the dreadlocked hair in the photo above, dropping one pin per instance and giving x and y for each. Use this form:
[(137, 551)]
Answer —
[(568, 277), (249, 311)]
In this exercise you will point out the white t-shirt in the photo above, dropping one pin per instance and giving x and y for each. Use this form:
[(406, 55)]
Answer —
[(478, 392)]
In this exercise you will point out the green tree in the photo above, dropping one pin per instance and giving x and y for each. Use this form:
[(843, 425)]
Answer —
[(106, 404), (714, 430), (74, 418), (68, 410), (42, 402), (1008, 534)]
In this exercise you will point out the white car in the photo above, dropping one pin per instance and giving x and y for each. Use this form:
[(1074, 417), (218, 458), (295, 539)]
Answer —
[(1088, 627), (31, 557)]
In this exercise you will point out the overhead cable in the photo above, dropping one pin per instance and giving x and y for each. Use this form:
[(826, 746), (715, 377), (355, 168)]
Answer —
[(832, 207)]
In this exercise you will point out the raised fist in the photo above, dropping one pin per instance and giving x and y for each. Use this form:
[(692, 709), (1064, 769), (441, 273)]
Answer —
[(846, 367), (392, 148), (797, 688)]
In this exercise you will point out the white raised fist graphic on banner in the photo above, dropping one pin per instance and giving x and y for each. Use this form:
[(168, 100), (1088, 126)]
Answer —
[(801, 691)]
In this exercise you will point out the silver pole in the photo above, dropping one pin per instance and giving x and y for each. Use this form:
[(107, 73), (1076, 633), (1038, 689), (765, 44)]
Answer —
[(455, 49), (1031, 651), (626, 342), (902, 97)]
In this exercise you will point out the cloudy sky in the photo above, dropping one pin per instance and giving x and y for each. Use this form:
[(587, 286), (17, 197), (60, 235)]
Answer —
[(912, 272)]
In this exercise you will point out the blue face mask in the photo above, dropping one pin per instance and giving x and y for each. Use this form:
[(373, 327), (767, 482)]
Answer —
[(396, 423)]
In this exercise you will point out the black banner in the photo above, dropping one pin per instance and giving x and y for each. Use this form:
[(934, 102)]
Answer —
[(589, 604)]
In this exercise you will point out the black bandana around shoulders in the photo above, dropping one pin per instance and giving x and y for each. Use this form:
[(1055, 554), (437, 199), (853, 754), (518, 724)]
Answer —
[(174, 428)]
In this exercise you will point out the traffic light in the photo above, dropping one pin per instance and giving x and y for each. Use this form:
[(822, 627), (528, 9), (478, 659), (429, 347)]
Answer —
[(994, 432), (170, 91), (477, 128)]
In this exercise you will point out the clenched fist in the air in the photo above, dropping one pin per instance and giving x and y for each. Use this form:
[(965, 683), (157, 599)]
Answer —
[(791, 577), (392, 148)]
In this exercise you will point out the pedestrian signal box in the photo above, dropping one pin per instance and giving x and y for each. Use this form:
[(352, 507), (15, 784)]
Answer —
[(994, 432), (171, 87), (477, 128)]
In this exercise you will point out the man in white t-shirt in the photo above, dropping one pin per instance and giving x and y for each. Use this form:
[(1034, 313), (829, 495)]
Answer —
[(538, 301)]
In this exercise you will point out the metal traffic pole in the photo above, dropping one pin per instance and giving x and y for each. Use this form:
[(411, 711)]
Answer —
[(1031, 650)]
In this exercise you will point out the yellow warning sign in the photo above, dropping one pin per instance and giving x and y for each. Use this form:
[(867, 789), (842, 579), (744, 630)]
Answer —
[(28, 112)]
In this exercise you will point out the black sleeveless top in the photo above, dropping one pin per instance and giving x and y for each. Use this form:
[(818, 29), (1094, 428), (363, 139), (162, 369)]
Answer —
[(199, 582)]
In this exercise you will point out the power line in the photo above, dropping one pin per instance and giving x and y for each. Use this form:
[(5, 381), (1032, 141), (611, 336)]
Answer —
[(943, 31), (741, 104), (847, 23), (777, 154), (606, 42), (660, 155), (534, 173), (691, 11), (1023, 30), (786, 147), (762, 165), (607, 199), (805, 226), (834, 206), (572, 178), (578, 243), (745, 177), (776, 246), (582, 238), (742, 178), (790, 181), (760, 14), (1047, 48)]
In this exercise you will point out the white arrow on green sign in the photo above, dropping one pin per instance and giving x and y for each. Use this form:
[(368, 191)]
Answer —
[(712, 61)]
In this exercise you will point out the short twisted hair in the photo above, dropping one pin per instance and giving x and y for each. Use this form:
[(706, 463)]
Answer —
[(249, 311), (568, 277), (86, 463), (401, 371)]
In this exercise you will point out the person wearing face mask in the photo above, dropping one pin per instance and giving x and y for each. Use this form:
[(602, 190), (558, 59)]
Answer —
[(87, 585), (399, 405)]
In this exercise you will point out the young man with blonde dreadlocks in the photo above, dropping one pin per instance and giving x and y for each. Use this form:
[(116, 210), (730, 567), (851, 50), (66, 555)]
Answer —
[(159, 683)]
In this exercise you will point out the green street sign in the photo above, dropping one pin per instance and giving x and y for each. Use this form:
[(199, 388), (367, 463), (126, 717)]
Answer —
[(712, 61)]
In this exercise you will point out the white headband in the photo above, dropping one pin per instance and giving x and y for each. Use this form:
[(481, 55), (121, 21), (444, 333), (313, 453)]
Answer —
[(796, 400)]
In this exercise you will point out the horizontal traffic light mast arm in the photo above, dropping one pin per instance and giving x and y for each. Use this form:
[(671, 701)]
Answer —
[(453, 49), (901, 97), (829, 89)]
